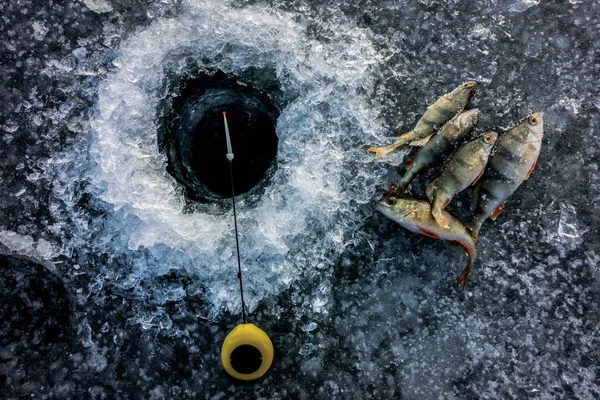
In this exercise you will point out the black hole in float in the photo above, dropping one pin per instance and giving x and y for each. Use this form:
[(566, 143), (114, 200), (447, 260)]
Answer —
[(195, 137), (246, 359)]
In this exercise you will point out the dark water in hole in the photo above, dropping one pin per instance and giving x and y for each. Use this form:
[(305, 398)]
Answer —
[(196, 143)]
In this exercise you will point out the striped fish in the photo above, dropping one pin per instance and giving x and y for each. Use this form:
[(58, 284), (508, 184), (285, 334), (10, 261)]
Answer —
[(415, 215), (446, 140), (436, 115), (516, 154), (464, 168)]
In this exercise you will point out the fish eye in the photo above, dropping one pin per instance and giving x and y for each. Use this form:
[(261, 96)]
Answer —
[(533, 121), (487, 139), (391, 200)]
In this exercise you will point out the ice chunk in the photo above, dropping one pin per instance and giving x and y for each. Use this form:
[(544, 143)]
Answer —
[(568, 225), (311, 326), (26, 245), (522, 5), (39, 30), (307, 349), (99, 6)]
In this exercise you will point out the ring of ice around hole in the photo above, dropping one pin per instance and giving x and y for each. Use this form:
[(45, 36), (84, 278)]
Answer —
[(195, 140), (307, 212)]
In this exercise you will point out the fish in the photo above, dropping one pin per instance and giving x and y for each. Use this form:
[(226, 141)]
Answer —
[(436, 115), (443, 142), (415, 215), (464, 168), (513, 161)]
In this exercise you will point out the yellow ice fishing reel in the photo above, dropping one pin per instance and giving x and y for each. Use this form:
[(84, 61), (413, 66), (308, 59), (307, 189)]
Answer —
[(247, 352)]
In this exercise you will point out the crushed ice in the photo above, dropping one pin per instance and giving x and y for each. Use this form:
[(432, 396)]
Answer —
[(323, 173)]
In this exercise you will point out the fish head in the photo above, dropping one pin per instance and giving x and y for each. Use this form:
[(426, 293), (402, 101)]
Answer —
[(535, 125), (531, 129), (469, 87), (468, 119), (395, 207), (488, 140), (463, 93)]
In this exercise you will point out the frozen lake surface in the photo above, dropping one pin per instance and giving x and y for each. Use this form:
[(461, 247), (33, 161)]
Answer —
[(115, 285)]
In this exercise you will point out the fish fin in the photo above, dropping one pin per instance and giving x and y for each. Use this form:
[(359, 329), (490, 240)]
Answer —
[(405, 134), (428, 233), (474, 234), (379, 151), (411, 162), (463, 278), (497, 211), (420, 142), (466, 246), (474, 229), (446, 203), (530, 170), (478, 177), (440, 219), (391, 191)]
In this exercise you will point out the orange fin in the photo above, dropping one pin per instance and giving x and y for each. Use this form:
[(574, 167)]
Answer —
[(411, 162), (428, 233), (466, 246), (404, 135), (463, 278), (497, 211), (530, 170), (379, 151), (478, 177), (439, 218), (390, 191), (446, 203)]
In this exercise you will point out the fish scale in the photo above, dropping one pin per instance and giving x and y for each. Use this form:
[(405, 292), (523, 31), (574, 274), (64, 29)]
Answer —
[(464, 168), (516, 156)]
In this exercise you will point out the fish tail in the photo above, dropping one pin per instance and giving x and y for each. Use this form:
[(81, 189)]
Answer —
[(406, 179), (382, 151), (463, 278), (474, 227)]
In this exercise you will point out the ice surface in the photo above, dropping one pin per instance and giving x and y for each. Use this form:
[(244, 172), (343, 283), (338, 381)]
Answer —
[(357, 308)]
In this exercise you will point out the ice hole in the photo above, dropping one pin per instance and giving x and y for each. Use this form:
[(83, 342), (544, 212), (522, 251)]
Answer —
[(195, 137)]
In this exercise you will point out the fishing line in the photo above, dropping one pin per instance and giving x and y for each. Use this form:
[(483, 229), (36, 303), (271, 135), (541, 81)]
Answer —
[(229, 156), (247, 351)]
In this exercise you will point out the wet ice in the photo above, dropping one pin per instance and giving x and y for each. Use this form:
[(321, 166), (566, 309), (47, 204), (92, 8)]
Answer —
[(357, 307)]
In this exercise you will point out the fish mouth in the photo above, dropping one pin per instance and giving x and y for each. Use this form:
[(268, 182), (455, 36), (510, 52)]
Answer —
[(475, 114), (471, 86)]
